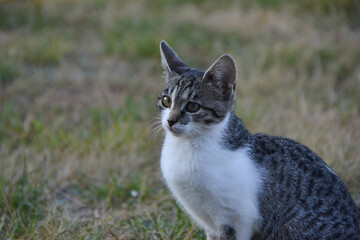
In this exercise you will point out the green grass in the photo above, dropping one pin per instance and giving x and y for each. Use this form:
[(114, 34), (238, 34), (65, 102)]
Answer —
[(41, 49), (21, 204), (78, 88), (135, 39), (349, 8), (8, 73), (17, 14)]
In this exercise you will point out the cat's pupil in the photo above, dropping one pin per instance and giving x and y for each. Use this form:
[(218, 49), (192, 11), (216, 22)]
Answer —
[(192, 107), (166, 101)]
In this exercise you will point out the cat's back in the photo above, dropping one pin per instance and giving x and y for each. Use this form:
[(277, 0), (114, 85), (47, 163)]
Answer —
[(302, 198)]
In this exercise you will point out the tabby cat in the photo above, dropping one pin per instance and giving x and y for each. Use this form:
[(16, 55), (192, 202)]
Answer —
[(238, 185)]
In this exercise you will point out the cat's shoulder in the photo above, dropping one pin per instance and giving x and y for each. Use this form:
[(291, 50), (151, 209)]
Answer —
[(276, 150), (280, 154), (269, 144)]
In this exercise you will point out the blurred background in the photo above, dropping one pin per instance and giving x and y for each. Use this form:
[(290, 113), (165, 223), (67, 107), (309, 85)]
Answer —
[(78, 87)]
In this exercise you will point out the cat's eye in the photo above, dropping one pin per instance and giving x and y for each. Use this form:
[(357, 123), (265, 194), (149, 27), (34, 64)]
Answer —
[(166, 101), (192, 107)]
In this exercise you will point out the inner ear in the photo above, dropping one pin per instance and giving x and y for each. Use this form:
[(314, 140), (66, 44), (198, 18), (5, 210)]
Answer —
[(222, 75), (170, 61)]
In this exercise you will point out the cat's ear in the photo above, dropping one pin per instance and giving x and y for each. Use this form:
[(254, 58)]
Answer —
[(170, 61), (222, 75)]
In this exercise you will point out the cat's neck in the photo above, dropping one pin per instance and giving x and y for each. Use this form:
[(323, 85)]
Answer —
[(236, 135)]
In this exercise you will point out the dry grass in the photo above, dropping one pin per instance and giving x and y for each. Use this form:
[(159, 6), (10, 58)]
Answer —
[(78, 85)]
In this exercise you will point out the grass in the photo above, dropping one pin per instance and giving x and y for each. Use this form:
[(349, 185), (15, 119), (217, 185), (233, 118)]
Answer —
[(78, 87), (8, 73), (22, 202)]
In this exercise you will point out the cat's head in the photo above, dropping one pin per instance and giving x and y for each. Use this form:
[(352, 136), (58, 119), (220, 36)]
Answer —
[(192, 101)]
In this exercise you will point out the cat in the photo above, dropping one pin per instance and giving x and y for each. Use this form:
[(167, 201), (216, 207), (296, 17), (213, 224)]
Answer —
[(237, 185)]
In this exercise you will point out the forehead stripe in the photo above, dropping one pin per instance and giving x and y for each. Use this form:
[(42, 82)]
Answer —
[(184, 92), (174, 92)]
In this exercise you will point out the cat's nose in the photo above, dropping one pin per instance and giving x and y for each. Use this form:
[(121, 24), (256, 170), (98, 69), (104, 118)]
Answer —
[(171, 122)]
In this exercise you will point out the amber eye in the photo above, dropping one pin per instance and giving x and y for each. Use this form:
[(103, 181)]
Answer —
[(166, 101), (192, 107)]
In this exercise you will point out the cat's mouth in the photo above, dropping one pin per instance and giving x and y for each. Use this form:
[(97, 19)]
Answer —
[(177, 129)]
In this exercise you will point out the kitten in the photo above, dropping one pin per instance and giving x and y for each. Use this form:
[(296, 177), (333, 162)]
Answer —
[(238, 185)]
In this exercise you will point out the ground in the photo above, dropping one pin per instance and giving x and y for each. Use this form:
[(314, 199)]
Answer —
[(78, 89)]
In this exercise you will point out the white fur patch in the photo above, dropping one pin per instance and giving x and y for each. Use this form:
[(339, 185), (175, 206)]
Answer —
[(215, 186)]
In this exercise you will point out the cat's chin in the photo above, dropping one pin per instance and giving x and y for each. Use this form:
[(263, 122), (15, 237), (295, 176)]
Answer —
[(183, 133), (176, 132)]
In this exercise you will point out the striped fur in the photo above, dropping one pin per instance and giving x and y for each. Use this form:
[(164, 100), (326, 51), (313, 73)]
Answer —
[(237, 185)]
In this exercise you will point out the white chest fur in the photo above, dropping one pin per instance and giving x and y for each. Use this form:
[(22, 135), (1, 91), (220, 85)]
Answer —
[(215, 186)]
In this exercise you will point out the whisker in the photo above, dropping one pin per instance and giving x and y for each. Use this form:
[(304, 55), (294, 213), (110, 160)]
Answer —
[(154, 129)]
